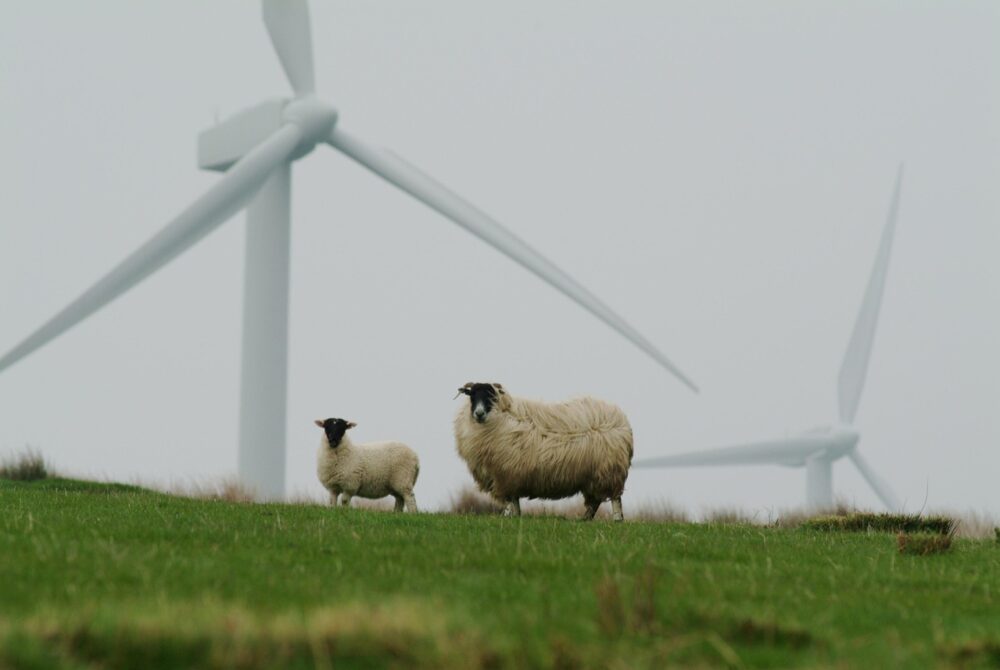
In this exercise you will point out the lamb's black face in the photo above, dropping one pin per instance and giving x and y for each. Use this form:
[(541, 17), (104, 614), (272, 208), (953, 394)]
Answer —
[(482, 399), (335, 429)]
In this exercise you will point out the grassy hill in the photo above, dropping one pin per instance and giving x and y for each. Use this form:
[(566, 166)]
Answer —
[(114, 576)]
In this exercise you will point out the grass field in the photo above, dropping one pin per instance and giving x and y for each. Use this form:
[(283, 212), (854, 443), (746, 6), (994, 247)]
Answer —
[(113, 576)]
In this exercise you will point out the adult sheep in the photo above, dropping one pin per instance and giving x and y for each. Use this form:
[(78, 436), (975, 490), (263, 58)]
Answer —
[(517, 448), (372, 470)]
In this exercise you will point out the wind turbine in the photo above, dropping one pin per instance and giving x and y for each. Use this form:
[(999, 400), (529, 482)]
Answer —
[(255, 150), (817, 449)]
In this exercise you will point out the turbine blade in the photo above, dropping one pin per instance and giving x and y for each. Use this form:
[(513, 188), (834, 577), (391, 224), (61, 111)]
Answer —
[(854, 369), (780, 451), (287, 24), (878, 485), (216, 205), (425, 189)]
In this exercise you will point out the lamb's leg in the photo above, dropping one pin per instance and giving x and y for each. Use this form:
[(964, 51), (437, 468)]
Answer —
[(399, 503), (345, 499), (513, 507), (411, 503), (616, 509)]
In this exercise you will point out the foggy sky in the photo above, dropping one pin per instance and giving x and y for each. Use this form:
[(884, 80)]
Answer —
[(717, 172)]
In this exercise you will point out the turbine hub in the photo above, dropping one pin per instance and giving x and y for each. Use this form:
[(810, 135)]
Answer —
[(843, 439), (314, 118), (846, 434)]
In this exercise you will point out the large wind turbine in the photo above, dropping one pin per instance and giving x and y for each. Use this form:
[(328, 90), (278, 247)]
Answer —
[(255, 149), (816, 450)]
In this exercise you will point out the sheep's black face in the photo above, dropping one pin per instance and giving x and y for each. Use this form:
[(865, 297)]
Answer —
[(482, 399), (335, 429)]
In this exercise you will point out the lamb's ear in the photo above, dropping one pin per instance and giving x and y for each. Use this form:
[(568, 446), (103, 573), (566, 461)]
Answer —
[(351, 424), (320, 422)]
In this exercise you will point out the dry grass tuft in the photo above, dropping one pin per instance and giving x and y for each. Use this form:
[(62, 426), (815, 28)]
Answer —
[(644, 602), (393, 634), (794, 518), (729, 516), (974, 654), (751, 631), (882, 523), (230, 490), (471, 501), (923, 544), (565, 655), (27, 466), (223, 490), (610, 609), (661, 511), (613, 617), (972, 524)]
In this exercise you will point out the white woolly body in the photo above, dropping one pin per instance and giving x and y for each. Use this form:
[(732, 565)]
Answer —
[(534, 449), (372, 470)]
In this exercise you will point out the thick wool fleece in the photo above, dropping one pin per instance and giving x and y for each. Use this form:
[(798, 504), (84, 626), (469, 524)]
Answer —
[(534, 449), (372, 470)]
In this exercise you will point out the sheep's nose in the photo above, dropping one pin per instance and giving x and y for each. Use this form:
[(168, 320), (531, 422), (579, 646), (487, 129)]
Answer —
[(480, 414)]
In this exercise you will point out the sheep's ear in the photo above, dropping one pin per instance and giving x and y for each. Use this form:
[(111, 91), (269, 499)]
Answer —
[(351, 424), (499, 388), (467, 390), (320, 422)]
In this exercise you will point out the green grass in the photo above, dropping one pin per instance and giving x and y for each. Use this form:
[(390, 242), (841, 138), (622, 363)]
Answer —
[(113, 576)]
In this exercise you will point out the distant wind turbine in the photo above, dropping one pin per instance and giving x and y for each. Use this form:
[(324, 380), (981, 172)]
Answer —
[(816, 450), (255, 149)]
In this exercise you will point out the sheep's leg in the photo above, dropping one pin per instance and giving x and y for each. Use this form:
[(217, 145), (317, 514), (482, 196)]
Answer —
[(590, 509), (616, 509), (411, 503), (345, 500), (513, 507), (399, 503)]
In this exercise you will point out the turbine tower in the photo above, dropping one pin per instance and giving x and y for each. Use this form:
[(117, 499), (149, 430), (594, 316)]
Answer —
[(255, 150), (816, 450)]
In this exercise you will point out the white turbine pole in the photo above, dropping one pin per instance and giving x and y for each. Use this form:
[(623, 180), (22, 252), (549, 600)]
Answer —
[(819, 482), (264, 379)]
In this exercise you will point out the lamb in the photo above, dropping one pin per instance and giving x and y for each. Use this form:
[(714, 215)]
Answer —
[(518, 448), (372, 470)]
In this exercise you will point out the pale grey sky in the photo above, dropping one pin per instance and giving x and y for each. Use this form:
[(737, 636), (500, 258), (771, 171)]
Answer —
[(718, 172)]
